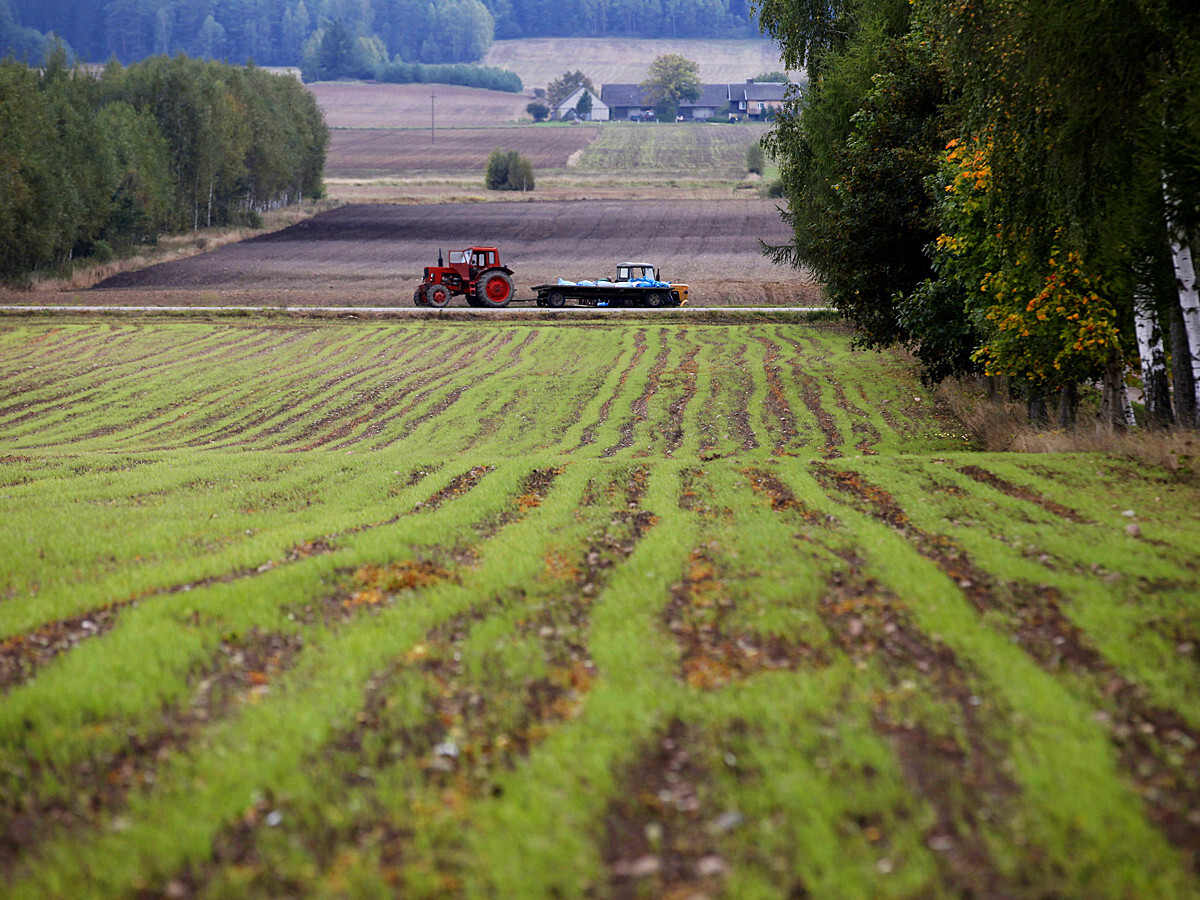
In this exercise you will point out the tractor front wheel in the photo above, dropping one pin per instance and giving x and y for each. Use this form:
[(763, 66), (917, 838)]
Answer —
[(437, 295), (495, 290)]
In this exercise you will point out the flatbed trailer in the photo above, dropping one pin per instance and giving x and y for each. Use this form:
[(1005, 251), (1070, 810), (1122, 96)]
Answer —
[(556, 295), (625, 291)]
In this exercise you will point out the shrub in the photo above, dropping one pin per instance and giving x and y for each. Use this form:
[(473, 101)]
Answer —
[(540, 111), (756, 159), (508, 171), (488, 77)]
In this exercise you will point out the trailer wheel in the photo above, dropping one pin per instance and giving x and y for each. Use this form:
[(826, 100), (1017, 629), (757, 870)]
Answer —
[(555, 299), (495, 290), (436, 295), (655, 300)]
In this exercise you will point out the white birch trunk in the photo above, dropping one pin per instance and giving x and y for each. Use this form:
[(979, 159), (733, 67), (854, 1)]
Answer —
[(1189, 302), (1127, 409), (1150, 350)]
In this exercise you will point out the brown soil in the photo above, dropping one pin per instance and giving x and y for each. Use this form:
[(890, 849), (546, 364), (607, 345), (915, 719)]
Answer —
[(373, 255), (712, 652)]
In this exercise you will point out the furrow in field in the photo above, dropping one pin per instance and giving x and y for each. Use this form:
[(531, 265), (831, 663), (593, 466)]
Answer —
[(22, 655), (297, 386), (1158, 749), (438, 725), (318, 397), (639, 405), (817, 355), (1020, 492), (375, 419), (241, 671), (776, 409), (301, 425), (684, 379), (733, 381), (119, 388), (959, 772), (440, 374), (589, 433), (962, 780), (479, 380), (655, 837), (713, 652)]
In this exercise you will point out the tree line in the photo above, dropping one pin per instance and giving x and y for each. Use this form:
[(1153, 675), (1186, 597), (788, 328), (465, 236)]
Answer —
[(280, 32), (1009, 187), (94, 163)]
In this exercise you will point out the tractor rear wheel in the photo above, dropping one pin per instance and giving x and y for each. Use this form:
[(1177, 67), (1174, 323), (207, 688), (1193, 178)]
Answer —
[(437, 295), (555, 299), (495, 289)]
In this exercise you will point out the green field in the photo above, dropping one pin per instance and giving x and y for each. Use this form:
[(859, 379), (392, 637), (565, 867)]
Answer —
[(550, 610)]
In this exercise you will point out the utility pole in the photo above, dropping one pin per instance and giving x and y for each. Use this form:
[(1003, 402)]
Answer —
[(432, 95)]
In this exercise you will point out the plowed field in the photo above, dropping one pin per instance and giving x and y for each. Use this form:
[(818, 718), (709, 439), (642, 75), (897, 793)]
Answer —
[(372, 153), (373, 255), (549, 611)]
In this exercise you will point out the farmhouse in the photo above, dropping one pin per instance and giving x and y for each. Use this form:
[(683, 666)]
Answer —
[(755, 99), (752, 99), (568, 108)]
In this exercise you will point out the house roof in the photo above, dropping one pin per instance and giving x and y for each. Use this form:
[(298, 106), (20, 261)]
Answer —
[(711, 95), (572, 101), (760, 91)]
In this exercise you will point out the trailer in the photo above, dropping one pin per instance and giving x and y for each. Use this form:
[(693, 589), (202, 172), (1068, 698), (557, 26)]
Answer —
[(636, 284)]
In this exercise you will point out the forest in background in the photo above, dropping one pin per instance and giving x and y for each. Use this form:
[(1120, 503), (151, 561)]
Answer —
[(92, 165), (280, 32)]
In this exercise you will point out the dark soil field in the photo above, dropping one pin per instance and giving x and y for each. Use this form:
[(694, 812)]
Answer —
[(373, 255)]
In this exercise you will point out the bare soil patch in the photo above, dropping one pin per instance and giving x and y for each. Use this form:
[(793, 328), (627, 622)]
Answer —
[(373, 255)]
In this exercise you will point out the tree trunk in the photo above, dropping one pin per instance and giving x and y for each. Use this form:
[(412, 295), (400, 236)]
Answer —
[(1181, 372), (1189, 305), (1068, 406), (1035, 404), (1156, 390), (1114, 402)]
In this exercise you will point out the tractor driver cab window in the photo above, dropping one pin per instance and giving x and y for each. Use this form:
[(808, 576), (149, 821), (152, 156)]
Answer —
[(458, 256)]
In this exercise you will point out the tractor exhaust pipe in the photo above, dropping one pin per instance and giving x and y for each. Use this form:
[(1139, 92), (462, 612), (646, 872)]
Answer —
[(441, 264)]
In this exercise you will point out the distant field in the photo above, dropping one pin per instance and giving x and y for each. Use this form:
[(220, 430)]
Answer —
[(688, 151), (370, 153), (544, 612), (684, 149), (353, 104), (540, 60)]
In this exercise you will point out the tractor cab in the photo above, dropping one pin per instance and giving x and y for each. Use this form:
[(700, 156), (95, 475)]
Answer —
[(630, 271), (471, 261)]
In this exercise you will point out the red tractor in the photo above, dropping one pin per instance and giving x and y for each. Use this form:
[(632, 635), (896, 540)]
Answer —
[(476, 273)]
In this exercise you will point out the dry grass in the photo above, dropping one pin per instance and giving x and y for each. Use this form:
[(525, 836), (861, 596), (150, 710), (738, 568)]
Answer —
[(1001, 425), (362, 105)]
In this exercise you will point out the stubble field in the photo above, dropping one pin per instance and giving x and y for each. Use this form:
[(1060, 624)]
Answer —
[(543, 610)]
